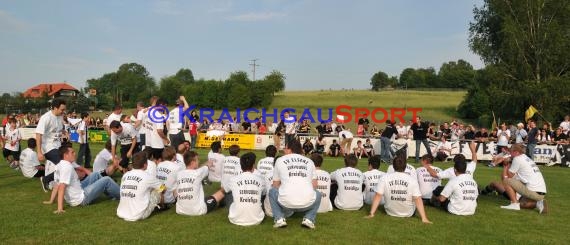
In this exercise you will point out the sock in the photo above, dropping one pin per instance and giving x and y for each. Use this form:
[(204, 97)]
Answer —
[(103, 173)]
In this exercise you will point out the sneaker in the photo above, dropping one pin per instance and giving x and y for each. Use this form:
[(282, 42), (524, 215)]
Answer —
[(280, 223), (512, 206), (308, 223), (542, 207), (44, 186), (490, 165), (550, 164)]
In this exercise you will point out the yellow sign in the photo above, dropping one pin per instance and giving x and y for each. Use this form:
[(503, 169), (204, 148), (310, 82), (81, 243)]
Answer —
[(245, 141)]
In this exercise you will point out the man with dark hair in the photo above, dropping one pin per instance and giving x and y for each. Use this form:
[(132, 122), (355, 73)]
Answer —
[(334, 149), (532, 139), (84, 156), (386, 141), (459, 196), (140, 192), (156, 137), (426, 181), (294, 183), (346, 191), (188, 188), (114, 116), (215, 162), (49, 132), (176, 122), (230, 168), (139, 124), (371, 178), (290, 126), (420, 131), (247, 189), (29, 164), (323, 184), (78, 192), (127, 136), (401, 192), (166, 172), (265, 165)]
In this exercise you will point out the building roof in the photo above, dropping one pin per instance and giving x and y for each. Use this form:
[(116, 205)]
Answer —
[(49, 88)]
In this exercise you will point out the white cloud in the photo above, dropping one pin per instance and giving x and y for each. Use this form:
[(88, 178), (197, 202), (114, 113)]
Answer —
[(9, 23), (221, 6), (165, 7), (260, 16)]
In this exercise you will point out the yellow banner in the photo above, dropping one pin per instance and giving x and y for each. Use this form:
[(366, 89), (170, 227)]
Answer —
[(245, 141)]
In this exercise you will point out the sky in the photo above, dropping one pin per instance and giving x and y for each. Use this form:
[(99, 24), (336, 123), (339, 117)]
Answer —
[(317, 44)]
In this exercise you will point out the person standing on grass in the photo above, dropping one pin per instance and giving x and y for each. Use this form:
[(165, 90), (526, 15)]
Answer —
[(401, 193), (420, 131), (290, 127), (140, 192), (12, 137), (84, 157), (371, 179), (74, 191), (49, 133), (386, 141), (294, 187), (345, 137), (532, 139), (188, 188), (247, 189), (176, 122), (346, 192)]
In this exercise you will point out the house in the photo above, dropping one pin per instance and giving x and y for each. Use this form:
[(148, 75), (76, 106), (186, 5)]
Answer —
[(52, 90)]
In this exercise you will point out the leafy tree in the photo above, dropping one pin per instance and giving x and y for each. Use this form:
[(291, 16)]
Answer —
[(170, 88), (275, 81), (184, 76), (458, 74), (380, 80)]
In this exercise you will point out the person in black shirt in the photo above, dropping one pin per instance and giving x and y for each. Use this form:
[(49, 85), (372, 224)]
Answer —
[(321, 128), (386, 142), (246, 126), (308, 147), (363, 123), (334, 149), (470, 133), (532, 139), (420, 136)]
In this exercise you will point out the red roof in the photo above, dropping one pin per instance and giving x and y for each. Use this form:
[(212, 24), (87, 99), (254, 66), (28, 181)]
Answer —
[(49, 88)]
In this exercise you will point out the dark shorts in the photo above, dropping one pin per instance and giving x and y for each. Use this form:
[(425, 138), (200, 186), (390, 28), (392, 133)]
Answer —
[(211, 203), (15, 154)]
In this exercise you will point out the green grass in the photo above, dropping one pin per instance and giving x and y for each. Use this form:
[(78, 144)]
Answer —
[(25, 220)]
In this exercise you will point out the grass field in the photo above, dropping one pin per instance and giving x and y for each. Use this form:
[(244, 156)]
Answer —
[(25, 220)]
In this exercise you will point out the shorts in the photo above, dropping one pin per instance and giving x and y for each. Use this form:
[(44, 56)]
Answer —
[(211, 203), (521, 188), (15, 154)]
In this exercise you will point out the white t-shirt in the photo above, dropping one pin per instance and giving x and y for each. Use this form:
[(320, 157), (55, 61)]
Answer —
[(126, 136), (166, 172), (215, 170), (324, 187), (449, 173), (265, 166), (349, 194), (426, 182), (180, 161), (398, 190), (247, 189), (12, 135), (82, 127), (528, 172), (174, 122), (50, 127), (462, 193), (345, 134), (102, 160), (150, 168), (28, 162), (188, 187), (296, 174), (141, 116), (266, 203), (503, 140), (65, 174), (113, 117), (565, 126), (230, 167), (136, 186), (290, 125), (154, 140), (409, 170), (371, 179)]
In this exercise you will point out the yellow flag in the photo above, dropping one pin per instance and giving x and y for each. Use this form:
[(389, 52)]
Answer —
[(529, 112)]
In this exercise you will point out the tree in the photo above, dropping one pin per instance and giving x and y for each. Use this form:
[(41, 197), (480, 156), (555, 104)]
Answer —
[(170, 88), (458, 74), (275, 80), (185, 76), (134, 84), (380, 80)]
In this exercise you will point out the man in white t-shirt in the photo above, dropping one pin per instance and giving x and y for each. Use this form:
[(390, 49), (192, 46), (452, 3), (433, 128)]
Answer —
[(265, 165), (140, 192), (103, 158), (371, 179), (294, 183), (461, 192), (114, 116), (503, 136), (180, 155), (247, 189), (565, 125), (155, 136), (426, 182), (176, 122), (77, 192), (188, 188), (127, 136), (523, 177), (401, 193), (139, 124), (290, 126), (29, 163), (323, 184), (230, 168), (449, 173), (346, 192), (215, 162), (411, 170), (49, 132), (12, 137), (166, 172), (345, 138), (84, 155)]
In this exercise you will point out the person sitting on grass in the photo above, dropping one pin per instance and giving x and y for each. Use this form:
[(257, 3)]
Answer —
[(334, 149), (140, 192), (166, 172), (308, 147), (29, 163), (427, 182), (323, 184), (188, 188), (371, 178), (265, 165), (368, 148), (459, 196), (401, 191), (346, 191), (77, 192), (359, 150), (247, 189), (230, 168)]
